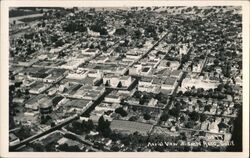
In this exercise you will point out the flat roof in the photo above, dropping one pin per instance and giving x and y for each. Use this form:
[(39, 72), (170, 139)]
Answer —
[(79, 103), (146, 79), (170, 81), (176, 72), (130, 126)]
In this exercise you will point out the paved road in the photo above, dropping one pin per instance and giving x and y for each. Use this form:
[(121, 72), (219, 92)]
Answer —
[(172, 97)]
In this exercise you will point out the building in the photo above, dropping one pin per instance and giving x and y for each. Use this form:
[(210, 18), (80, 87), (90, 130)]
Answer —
[(115, 81), (107, 107), (130, 127), (38, 88), (13, 139), (169, 83), (45, 106), (113, 98), (176, 73)]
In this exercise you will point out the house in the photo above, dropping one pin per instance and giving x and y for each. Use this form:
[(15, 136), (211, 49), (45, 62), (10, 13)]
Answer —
[(183, 49), (133, 101), (204, 126), (213, 127), (152, 102)]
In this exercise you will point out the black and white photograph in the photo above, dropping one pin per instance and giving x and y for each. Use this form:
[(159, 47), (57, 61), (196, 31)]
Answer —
[(126, 78)]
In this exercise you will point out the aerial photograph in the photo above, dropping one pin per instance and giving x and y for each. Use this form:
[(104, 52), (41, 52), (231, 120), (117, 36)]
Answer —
[(125, 79)]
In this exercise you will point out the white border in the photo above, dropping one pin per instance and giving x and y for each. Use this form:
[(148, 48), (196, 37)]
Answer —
[(101, 3)]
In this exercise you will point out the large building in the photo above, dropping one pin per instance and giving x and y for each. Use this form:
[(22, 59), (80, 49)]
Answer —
[(130, 127)]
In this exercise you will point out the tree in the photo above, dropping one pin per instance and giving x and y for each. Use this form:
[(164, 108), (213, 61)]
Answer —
[(134, 108), (66, 147), (106, 132), (148, 8), (120, 31), (199, 102), (121, 111), (128, 21), (114, 148), (137, 34), (29, 36), (147, 116), (175, 112), (54, 38), (119, 85), (74, 26), (103, 127), (76, 127), (183, 136), (99, 28), (194, 116), (59, 43), (90, 125), (180, 93), (190, 124), (184, 58), (164, 117), (216, 62), (107, 83), (168, 64), (137, 94), (133, 118), (53, 124), (207, 108), (38, 146), (24, 133)]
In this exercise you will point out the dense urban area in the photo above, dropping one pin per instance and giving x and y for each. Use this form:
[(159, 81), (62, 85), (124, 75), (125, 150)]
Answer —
[(137, 79)]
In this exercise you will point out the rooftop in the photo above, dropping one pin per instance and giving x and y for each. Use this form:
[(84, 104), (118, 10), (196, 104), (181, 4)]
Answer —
[(130, 126)]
